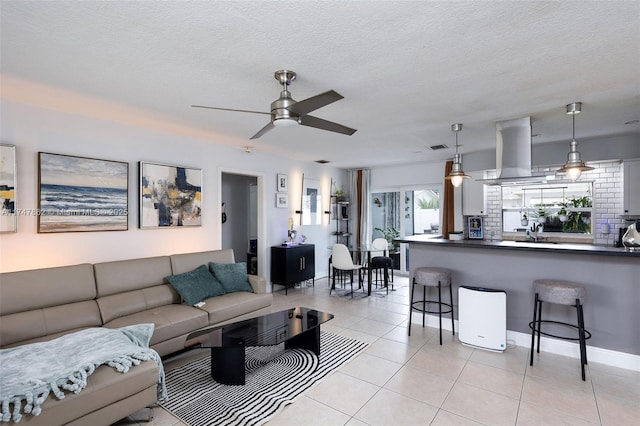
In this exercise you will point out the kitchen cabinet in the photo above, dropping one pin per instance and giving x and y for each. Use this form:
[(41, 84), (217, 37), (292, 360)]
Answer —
[(473, 199), (292, 264), (631, 187)]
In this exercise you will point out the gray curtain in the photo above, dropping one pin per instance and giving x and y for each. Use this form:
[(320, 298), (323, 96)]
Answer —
[(360, 195)]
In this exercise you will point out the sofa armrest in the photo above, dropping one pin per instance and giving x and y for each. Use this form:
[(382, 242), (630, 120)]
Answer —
[(258, 283)]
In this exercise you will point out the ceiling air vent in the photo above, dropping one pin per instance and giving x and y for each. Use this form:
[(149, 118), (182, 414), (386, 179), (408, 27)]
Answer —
[(437, 147), (322, 161)]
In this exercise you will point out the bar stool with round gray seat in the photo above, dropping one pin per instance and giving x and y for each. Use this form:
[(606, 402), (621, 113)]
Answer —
[(431, 277), (559, 292)]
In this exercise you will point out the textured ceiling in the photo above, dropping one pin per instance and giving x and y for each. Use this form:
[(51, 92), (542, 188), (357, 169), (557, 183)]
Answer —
[(407, 70)]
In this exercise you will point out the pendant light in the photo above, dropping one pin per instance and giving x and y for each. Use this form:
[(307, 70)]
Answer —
[(574, 165), (457, 175)]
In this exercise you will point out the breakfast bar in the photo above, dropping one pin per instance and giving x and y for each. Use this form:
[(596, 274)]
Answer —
[(611, 277)]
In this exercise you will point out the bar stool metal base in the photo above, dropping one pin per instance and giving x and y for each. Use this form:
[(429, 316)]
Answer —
[(536, 330), (424, 310)]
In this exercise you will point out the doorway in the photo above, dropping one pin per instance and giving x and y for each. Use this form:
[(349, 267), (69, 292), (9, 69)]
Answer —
[(240, 224)]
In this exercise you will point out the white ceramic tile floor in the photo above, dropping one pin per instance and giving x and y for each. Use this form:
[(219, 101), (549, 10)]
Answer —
[(401, 380)]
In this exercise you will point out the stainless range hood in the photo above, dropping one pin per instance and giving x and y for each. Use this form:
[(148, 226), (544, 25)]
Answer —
[(513, 153)]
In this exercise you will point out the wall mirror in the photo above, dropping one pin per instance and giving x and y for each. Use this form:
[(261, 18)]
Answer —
[(311, 207)]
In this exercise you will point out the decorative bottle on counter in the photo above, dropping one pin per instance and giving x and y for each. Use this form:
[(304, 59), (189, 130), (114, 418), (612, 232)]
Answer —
[(631, 238)]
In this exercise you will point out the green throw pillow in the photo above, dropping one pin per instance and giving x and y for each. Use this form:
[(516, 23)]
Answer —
[(233, 276), (195, 286)]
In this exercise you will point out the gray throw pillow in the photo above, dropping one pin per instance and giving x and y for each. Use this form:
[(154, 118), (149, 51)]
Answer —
[(195, 286), (233, 276)]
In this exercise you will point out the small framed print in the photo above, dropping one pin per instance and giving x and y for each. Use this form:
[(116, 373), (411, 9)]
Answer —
[(283, 183), (476, 230), (8, 218), (282, 200)]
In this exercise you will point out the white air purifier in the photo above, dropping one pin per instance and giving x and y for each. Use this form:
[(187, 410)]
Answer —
[(482, 318)]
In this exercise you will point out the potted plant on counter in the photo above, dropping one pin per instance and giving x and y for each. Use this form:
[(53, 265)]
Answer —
[(524, 219), (562, 213), (541, 215)]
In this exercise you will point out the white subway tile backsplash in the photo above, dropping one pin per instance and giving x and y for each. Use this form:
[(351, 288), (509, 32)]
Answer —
[(607, 198)]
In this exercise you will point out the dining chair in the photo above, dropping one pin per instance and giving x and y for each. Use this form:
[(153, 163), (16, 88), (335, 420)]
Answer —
[(341, 261)]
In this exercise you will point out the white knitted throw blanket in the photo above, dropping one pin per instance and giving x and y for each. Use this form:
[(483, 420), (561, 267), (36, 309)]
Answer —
[(29, 373)]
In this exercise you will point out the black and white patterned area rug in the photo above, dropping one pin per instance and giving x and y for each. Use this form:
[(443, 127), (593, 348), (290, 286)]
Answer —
[(274, 378)]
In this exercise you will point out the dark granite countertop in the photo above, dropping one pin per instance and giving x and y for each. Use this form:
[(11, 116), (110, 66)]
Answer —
[(522, 245)]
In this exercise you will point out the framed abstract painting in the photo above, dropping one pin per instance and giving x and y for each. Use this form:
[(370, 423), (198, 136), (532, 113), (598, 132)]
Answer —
[(169, 196), (78, 194), (8, 217)]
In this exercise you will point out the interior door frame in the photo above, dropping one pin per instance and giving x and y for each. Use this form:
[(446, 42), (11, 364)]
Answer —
[(261, 212)]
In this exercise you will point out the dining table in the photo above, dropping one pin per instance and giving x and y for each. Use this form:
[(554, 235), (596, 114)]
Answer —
[(365, 250)]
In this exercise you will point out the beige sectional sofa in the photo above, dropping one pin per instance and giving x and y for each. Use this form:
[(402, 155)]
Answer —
[(42, 304)]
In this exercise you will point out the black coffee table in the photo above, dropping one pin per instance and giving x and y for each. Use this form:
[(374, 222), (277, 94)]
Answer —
[(296, 327)]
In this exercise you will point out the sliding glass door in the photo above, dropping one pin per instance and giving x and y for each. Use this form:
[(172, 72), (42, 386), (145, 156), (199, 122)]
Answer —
[(403, 212)]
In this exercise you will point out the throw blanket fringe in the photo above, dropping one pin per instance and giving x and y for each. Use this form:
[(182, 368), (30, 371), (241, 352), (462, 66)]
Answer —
[(34, 391)]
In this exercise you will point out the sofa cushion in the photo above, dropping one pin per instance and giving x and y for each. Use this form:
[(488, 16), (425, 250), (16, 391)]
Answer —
[(195, 286), (170, 321), (133, 274), (130, 302), (105, 386), (233, 276), (231, 305), (47, 323), (189, 261), (42, 288)]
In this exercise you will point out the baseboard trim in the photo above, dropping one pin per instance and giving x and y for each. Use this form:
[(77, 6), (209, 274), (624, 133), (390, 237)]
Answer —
[(554, 346)]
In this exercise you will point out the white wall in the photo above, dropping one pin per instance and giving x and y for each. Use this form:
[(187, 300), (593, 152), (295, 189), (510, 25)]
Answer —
[(91, 131)]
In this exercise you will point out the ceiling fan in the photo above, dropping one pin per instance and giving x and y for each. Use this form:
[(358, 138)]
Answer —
[(285, 111)]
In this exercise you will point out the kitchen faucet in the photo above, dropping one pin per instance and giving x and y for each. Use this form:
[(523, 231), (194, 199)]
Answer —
[(535, 228)]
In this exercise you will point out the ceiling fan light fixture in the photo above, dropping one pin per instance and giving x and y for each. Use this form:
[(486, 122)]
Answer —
[(574, 165), (285, 122), (457, 175)]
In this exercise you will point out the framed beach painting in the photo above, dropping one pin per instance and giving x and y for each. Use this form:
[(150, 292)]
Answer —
[(8, 218), (170, 196), (78, 194)]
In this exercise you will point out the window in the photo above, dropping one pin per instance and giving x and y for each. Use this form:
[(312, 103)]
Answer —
[(565, 208), (426, 211)]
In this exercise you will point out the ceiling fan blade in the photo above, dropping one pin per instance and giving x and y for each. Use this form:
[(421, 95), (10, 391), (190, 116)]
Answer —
[(319, 123), (262, 131), (229, 109), (313, 103)]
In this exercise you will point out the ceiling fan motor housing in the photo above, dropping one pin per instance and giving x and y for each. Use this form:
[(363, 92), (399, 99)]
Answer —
[(280, 115)]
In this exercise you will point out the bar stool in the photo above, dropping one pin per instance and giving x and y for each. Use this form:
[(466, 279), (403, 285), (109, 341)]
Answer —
[(431, 277), (560, 293), (385, 263)]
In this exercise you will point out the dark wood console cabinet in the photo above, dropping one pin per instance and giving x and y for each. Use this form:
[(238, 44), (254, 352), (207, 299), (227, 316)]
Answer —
[(292, 264)]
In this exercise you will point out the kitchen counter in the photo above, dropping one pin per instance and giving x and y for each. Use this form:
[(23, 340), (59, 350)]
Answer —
[(611, 277), (523, 245)]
